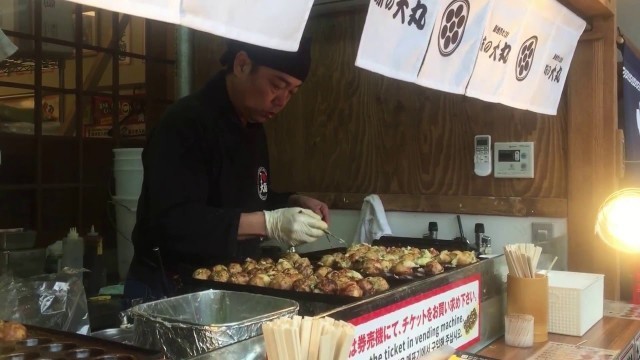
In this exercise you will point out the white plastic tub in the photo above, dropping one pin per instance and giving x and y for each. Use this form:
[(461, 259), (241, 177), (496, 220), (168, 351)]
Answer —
[(576, 302), (125, 208)]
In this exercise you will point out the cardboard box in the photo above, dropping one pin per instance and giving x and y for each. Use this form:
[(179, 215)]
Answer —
[(576, 302)]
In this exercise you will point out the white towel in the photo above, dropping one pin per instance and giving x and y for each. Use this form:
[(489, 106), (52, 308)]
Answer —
[(373, 221), (7, 48), (395, 37)]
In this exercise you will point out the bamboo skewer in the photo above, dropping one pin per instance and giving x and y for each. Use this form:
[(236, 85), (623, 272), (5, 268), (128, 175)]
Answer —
[(308, 339), (522, 259)]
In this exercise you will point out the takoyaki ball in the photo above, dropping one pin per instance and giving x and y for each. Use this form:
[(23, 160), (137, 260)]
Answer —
[(265, 261), (248, 265), (327, 260), (12, 331), (220, 275), (326, 286), (261, 280), (379, 284), (413, 251), (218, 268), (239, 278), (422, 260), (305, 284), (343, 263), (202, 274), (434, 252), (403, 268), (282, 282), (366, 286), (464, 258), (386, 265), (359, 247), (323, 271), (289, 271), (444, 257), (302, 263), (352, 274), (306, 271), (408, 257), (373, 267), (291, 257), (283, 264), (235, 268), (255, 271), (433, 267), (373, 255), (294, 276), (342, 281), (333, 275), (351, 289)]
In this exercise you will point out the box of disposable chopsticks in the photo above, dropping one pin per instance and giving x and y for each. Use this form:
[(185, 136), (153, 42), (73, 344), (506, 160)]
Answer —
[(576, 302)]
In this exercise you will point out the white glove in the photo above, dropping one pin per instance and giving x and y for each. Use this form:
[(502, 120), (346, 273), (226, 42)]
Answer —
[(294, 226)]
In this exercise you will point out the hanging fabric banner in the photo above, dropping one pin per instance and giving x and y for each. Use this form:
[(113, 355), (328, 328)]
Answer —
[(161, 10), (631, 104), (395, 37), (453, 48), (558, 31), (276, 24), (529, 69)]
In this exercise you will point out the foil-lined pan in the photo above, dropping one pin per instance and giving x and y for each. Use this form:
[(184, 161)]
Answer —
[(189, 325)]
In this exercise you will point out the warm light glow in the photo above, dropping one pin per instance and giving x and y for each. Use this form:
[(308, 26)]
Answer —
[(619, 219)]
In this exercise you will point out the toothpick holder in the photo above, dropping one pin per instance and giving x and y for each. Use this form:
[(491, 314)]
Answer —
[(530, 296)]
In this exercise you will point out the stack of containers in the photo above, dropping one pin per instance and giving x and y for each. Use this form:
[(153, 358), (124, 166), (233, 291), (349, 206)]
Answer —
[(128, 173)]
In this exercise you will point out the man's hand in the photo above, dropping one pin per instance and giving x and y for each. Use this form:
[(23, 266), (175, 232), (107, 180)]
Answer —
[(294, 226), (312, 204)]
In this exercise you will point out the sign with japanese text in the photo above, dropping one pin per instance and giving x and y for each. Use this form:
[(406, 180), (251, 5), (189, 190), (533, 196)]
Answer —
[(525, 54), (413, 327), (395, 37), (453, 50), (631, 108)]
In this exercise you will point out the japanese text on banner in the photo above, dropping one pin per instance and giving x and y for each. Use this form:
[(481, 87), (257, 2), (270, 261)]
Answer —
[(416, 326)]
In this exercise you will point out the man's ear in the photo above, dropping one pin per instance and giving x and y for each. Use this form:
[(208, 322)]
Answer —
[(241, 64)]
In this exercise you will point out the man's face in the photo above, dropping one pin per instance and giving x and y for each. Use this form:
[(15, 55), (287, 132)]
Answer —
[(266, 92)]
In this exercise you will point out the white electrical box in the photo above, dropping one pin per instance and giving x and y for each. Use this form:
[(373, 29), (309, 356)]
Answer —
[(513, 159)]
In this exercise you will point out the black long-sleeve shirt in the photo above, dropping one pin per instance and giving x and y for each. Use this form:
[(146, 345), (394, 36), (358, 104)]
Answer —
[(202, 169)]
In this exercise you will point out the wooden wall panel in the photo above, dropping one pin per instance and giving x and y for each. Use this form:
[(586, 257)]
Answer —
[(351, 131)]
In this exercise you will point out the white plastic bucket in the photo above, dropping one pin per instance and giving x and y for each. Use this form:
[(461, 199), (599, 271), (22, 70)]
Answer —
[(125, 208), (128, 163), (127, 153), (128, 182)]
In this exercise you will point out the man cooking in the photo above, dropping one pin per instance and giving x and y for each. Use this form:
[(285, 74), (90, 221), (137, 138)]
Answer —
[(205, 195)]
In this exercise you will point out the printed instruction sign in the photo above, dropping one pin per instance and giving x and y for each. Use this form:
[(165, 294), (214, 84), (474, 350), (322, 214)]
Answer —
[(414, 327)]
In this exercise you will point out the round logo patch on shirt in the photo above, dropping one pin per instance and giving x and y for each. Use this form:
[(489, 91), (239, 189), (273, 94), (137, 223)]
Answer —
[(262, 183)]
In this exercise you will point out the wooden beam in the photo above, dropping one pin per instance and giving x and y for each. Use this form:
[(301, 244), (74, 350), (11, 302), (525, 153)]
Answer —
[(591, 8), (592, 173), (484, 205)]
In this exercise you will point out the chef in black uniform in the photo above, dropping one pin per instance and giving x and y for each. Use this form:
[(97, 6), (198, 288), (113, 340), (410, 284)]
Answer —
[(206, 193)]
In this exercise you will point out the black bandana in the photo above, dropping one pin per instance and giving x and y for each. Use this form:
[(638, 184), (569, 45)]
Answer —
[(295, 64)]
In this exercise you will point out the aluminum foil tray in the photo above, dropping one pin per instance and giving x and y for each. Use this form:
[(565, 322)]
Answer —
[(189, 325)]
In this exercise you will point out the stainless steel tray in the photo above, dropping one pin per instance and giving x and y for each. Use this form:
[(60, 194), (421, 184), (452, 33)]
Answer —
[(189, 325)]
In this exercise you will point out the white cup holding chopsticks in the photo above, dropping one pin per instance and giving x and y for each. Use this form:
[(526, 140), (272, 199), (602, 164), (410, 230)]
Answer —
[(518, 330)]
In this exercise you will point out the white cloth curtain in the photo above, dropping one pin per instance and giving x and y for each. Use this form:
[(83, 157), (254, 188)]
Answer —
[(277, 24), (395, 37), (453, 48), (539, 54)]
